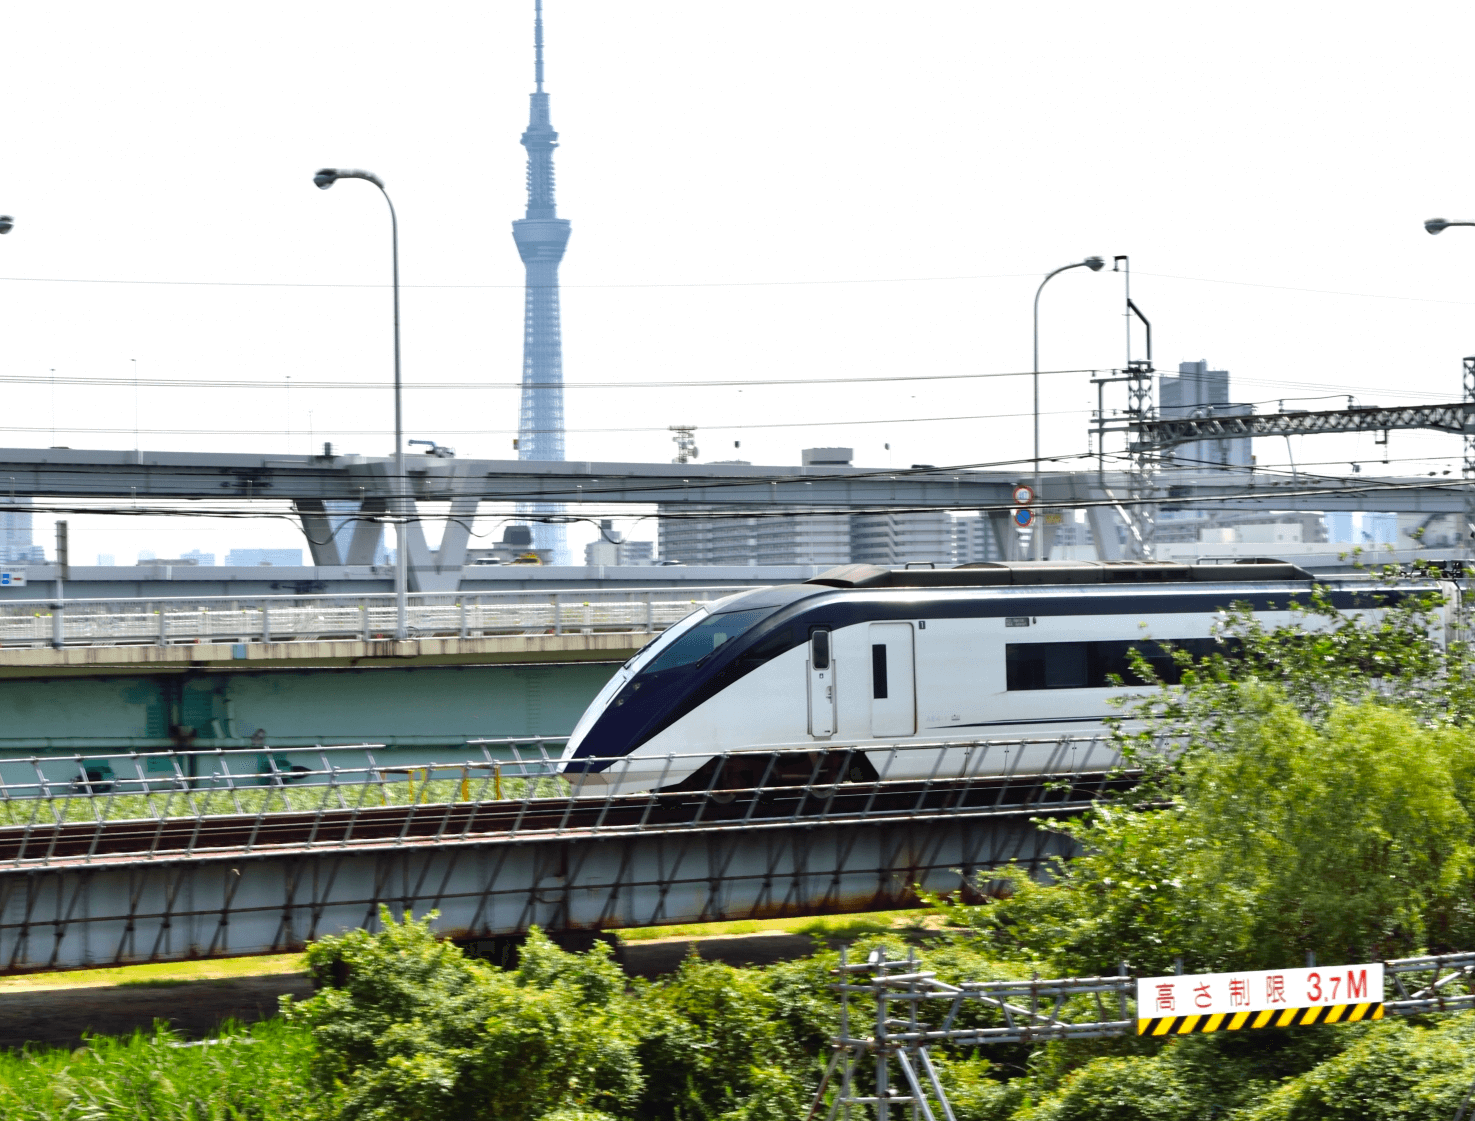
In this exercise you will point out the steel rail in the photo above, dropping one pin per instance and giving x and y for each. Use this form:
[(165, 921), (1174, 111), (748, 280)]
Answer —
[(391, 831)]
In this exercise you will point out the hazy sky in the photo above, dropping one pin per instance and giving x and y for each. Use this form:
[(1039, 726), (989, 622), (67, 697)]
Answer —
[(812, 189)]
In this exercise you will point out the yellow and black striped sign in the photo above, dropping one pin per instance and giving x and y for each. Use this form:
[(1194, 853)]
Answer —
[(1269, 1018)]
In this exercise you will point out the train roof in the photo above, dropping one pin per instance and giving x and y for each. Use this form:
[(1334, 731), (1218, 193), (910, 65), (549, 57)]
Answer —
[(1020, 573)]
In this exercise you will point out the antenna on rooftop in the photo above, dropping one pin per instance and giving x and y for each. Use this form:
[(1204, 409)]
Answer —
[(685, 441)]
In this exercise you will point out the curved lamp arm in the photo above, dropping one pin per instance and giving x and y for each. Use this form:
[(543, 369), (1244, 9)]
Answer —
[(1095, 264), (324, 178)]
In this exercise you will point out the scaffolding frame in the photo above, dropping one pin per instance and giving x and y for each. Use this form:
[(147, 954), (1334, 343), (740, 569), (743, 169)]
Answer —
[(1034, 1011)]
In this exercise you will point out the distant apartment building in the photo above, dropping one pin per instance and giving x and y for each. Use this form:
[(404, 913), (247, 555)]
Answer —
[(255, 558), (796, 538), (974, 540), (800, 537), (907, 537), (199, 557), (700, 536), (778, 537), (15, 536)]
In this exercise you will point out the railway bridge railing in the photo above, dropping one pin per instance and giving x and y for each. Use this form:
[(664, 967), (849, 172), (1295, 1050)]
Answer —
[(289, 618), (129, 858)]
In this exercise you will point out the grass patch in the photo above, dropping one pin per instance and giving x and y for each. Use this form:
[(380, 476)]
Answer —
[(827, 926), (157, 973), (212, 795), (142, 1076)]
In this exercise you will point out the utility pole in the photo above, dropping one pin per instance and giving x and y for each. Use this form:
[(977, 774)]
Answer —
[(58, 607)]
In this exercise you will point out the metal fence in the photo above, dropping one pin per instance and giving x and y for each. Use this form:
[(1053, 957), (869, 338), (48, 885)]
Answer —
[(84, 809), (292, 618)]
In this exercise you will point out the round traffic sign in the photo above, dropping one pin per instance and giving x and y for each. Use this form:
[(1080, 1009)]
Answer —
[(1023, 518), (1023, 496)]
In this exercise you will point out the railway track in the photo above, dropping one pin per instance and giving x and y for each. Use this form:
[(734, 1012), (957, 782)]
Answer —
[(69, 844)]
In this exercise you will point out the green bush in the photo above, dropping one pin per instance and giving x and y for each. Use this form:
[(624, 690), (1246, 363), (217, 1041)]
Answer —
[(408, 1027), (1393, 1072), (714, 1046)]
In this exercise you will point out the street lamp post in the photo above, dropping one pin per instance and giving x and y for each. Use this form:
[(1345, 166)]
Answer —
[(325, 178), (1467, 536), (1095, 264)]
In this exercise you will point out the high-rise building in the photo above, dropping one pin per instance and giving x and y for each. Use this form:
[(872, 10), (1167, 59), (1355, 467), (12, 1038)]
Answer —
[(541, 237), (974, 540), (15, 536), (1198, 391), (801, 537), (902, 537), (720, 538), (780, 537)]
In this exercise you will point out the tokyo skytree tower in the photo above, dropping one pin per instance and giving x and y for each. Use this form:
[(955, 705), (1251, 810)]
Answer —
[(541, 237)]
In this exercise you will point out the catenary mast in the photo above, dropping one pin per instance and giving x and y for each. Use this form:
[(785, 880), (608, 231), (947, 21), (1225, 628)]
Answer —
[(541, 237)]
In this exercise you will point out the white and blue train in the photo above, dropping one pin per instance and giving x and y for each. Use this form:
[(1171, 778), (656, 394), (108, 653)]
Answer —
[(861, 659)]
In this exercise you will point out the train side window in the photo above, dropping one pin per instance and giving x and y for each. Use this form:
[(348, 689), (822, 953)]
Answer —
[(819, 650), (878, 671), (1046, 665), (1091, 665)]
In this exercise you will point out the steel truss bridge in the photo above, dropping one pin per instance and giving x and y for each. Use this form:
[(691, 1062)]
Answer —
[(1161, 434), (153, 857)]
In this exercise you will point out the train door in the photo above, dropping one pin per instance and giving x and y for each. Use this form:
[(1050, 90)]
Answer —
[(893, 680), (821, 686)]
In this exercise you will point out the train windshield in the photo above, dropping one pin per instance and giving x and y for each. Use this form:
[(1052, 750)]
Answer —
[(701, 640)]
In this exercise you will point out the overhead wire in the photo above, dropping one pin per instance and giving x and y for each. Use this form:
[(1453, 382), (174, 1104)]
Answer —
[(822, 282), (535, 432), (674, 383)]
